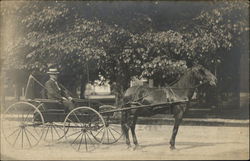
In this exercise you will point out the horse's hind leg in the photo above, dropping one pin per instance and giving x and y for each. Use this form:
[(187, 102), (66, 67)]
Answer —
[(125, 127)]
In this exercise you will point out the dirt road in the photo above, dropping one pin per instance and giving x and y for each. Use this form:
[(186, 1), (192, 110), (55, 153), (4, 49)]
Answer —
[(193, 142)]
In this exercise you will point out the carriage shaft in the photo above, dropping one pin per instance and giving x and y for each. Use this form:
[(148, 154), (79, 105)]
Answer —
[(143, 106)]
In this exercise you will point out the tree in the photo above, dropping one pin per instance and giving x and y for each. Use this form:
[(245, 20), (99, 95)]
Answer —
[(81, 40), (204, 40), (50, 36)]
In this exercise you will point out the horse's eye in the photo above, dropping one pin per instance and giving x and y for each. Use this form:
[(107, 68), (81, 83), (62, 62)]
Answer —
[(202, 72)]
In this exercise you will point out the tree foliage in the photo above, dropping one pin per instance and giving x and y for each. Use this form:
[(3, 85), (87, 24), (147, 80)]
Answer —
[(58, 33)]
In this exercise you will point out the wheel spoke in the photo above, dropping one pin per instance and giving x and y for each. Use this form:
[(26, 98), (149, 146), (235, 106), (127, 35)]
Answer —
[(58, 127), (22, 138), (35, 130), (107, 135), (86, 144), (73, 122), (102, 136), (90, 138), (99, 131), (27, 137), (27, 116), (76, 138), (111, 133), (115, 130), (74, 133), (65, 130), (13, 132), (56, 131), (17, 137), (77, 118), (89, 121), (51, 133), (80, 143), (32, 134), (46, 133), (26, 133)]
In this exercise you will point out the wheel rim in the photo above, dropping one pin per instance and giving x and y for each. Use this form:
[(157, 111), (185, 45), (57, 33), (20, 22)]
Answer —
[(113, 128), (84, 122), (22, 125), (111, 135)]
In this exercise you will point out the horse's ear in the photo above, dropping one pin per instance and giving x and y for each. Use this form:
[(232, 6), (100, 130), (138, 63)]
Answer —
[(198, 71)]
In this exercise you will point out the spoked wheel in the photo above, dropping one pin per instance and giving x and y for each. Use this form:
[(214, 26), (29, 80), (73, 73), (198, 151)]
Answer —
[(85, 123), (22, 125), (113, 127), (53, 131)]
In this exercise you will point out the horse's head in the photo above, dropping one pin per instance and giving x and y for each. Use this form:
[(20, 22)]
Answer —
[(203, 75)]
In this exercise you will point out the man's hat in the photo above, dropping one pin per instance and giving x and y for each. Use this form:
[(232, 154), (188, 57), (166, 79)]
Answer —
[(53, 71)]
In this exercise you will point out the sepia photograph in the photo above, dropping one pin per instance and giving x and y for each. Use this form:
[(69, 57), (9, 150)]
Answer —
[(124, 80)]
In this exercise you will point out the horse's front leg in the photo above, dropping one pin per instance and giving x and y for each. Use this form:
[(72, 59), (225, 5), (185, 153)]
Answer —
[(125, 130), (133, 132), (178, 114)]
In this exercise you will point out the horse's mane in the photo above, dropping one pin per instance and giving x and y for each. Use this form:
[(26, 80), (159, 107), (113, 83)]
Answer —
[(187, 77)]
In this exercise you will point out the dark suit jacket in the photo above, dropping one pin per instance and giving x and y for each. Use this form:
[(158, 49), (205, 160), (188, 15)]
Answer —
[(53, 92)]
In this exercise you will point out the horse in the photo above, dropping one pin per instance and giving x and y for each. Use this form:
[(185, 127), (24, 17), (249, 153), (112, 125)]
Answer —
[(183, 89)]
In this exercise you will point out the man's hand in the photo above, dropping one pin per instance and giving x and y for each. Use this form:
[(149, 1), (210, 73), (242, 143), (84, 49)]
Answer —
[(65, 99)]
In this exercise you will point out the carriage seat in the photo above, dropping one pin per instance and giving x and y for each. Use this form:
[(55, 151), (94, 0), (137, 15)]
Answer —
[(50, 105)]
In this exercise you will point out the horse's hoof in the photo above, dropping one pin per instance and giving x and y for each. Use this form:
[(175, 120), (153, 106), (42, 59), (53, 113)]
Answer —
[(172, 147), (137, 147), (129, 147)]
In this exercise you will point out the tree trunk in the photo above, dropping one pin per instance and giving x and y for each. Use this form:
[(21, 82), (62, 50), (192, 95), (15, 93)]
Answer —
[(83, 88), (17, 92), (2, 91), (122, 84), (119, 95)]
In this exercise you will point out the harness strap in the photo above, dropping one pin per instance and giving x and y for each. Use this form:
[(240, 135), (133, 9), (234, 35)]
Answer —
[(170, 88), (196, 86)]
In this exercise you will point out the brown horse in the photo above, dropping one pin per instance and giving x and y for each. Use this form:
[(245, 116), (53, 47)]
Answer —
[(181, 90)]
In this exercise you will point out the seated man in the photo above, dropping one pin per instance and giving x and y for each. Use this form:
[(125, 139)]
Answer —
[(55, 92)]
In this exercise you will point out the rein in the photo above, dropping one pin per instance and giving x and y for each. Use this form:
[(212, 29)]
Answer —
[(196, 86)]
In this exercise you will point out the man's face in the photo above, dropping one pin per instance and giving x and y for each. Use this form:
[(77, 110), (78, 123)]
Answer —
[(53, 76)]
